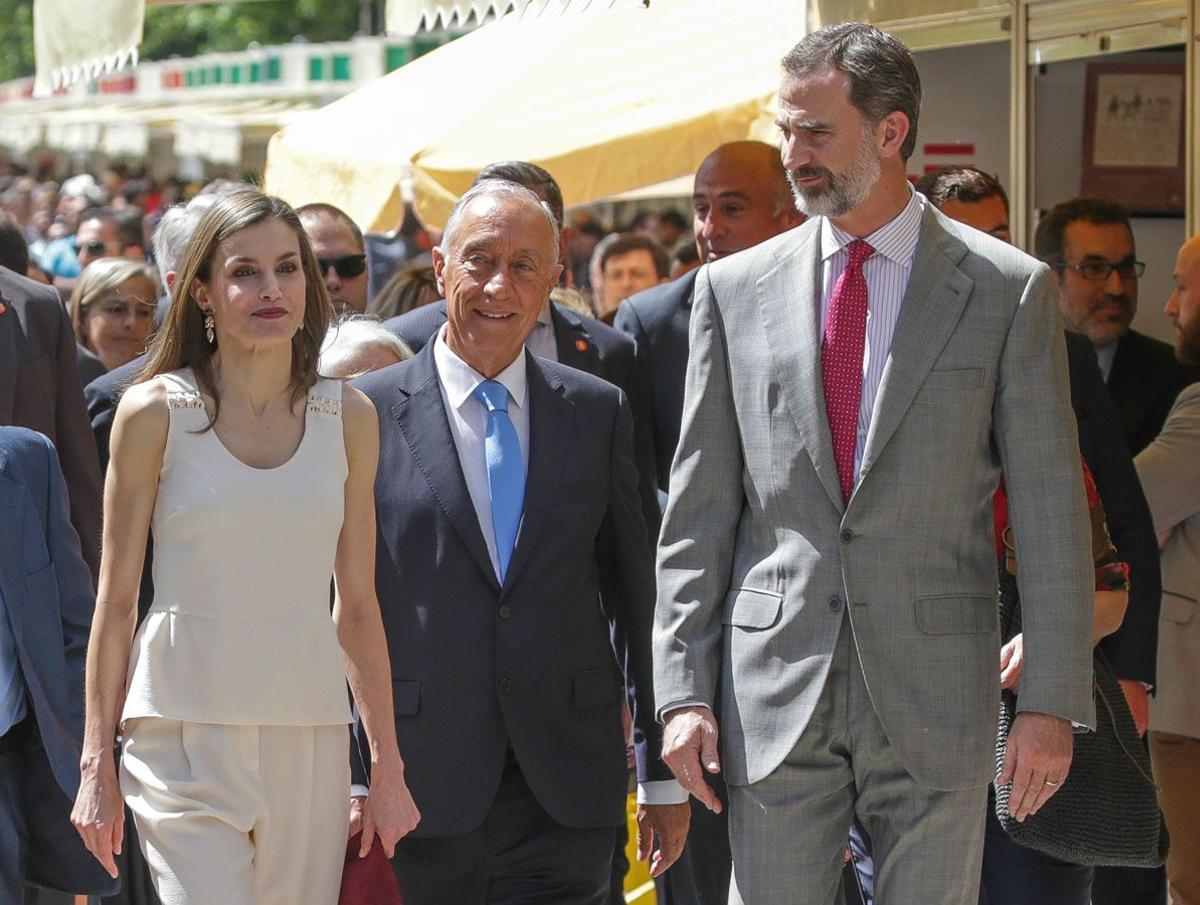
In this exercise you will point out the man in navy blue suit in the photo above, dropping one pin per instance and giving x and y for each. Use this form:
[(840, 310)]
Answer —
[(511, 551), (46, 602)]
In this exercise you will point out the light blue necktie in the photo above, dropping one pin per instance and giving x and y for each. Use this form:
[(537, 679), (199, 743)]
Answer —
[(505, 469)]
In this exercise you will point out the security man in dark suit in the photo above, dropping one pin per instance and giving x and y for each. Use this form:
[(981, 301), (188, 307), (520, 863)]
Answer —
[(46, 602), (741, 197), (511, 549), (40, 389)]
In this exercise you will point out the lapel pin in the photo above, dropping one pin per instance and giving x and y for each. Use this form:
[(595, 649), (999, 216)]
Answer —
[(581, 345), (3, 305)]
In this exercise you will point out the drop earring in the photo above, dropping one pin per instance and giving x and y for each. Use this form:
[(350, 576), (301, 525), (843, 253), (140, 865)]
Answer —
[(210, 328)]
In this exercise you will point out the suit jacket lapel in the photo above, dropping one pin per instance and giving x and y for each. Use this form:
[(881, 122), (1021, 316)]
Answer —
[(551, 423), (8, 360), (933, 303), (790, 299), (421, 415), (575, 345)]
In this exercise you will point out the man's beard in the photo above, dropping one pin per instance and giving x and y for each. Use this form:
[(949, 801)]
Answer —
[(1187, 343), (843, 192)]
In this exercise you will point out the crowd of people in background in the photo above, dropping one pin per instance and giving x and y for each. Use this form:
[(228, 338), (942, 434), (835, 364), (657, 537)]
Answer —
[(794, 482)]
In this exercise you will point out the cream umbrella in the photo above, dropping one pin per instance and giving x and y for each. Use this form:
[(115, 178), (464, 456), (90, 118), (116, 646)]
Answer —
[(607, 100)]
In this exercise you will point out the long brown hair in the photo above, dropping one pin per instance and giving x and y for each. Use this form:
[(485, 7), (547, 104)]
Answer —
[(181, 342)]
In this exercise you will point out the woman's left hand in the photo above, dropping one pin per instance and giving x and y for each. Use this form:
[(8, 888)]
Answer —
[(1012, 661), (389, 811)]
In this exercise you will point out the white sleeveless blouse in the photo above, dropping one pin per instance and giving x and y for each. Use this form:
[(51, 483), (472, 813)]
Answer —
[(240, 630)]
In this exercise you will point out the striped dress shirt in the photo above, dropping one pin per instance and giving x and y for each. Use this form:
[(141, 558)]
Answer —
[(887, 272)]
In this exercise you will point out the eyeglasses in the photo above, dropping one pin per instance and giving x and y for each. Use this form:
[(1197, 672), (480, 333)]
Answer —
[(95, 249), (1102, 270), (347, 266)]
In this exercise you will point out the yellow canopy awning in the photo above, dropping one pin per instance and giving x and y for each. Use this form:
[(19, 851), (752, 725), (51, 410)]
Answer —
[(607, 100)]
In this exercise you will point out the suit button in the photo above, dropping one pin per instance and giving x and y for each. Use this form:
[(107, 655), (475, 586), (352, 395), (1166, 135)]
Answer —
[(504, 685), (835, 603), (847, 535), (505, 611)]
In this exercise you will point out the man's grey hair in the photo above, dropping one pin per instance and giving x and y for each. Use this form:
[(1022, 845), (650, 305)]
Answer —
[(883, 76), (349, 336), (177, 225), (497, 188)]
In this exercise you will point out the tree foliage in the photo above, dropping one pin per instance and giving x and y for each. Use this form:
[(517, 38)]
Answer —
[(195, 28)]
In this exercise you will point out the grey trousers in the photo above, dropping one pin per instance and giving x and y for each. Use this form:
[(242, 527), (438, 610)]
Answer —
[(788, 832)]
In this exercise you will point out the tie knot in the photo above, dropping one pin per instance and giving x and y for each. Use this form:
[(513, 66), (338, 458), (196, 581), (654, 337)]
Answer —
[(860, 250), (493, 395)]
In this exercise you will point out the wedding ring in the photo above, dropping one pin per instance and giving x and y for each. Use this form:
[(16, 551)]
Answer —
[(1051, 782)]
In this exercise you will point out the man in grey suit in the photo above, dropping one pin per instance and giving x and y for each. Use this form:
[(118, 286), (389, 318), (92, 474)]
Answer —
[(855, 388), (1169, 469)]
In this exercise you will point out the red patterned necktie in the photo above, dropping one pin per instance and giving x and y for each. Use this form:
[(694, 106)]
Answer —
[(842, 360)]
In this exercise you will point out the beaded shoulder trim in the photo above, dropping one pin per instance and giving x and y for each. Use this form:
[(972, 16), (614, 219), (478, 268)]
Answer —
[(184, 399), (323, 405)]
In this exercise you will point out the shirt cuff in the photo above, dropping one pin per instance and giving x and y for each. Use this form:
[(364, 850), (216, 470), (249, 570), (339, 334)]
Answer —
[(357, 791), (676, 705), (662, 791)]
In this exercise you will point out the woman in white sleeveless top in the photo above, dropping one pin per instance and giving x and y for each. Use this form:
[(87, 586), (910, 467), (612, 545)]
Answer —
[(256, 477)]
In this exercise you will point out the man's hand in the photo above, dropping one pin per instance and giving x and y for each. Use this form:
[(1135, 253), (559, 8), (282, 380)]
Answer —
[(1038, 758), (669, 823), (1138, 700), (689, 740), (356, 813), (1012, 661)]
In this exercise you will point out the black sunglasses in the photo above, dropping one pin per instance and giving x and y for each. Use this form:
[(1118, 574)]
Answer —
[(95, 249), (347, 266)]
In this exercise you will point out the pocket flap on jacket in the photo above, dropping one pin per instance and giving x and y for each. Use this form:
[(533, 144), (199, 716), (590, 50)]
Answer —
[(956, 615), (594, 687), (752, 608), (406, 697), (1178, 608)]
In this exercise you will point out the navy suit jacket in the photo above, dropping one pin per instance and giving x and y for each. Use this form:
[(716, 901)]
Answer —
[(588, 345), (1132, 649), (47, 590), (657, 319), (478, 667), (1144, 380)]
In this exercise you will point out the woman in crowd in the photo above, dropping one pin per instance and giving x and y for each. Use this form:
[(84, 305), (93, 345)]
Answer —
[(112, 309), (257, 478), (406, 290)]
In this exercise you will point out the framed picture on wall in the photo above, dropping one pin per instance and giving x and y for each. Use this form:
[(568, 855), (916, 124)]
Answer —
[(1133, 133)]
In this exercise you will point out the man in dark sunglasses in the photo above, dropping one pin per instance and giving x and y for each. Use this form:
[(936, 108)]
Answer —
[(338, 244)]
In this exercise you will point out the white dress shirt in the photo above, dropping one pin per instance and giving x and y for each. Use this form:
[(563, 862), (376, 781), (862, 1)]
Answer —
[(468, 425), (887, 272)]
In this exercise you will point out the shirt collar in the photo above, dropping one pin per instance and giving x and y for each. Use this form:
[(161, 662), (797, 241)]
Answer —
[(896, 240), (460, 379), (544, 317)]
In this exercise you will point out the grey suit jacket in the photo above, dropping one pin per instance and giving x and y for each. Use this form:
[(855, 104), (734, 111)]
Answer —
[(1169, 469), (759, 555), (40, 389)]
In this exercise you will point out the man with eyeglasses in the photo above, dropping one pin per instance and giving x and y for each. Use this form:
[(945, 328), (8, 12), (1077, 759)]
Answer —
[(338, 244), (1088, 243)]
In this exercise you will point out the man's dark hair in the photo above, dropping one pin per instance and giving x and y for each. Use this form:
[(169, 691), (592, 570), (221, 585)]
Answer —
[(1049, 241), (591, 228), (674, 218), (970, 185), (14, 252), (627, 242), (129, 231), (319, 209), (883, 76), (532, 177), (686, 253)]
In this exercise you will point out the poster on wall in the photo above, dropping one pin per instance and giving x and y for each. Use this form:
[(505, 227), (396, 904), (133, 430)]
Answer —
[(1133, 136)]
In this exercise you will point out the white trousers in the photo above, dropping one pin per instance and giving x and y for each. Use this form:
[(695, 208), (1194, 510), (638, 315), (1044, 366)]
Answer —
[(239, 815)]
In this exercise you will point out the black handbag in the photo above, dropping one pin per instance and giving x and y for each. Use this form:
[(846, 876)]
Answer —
[(1106, 813)]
